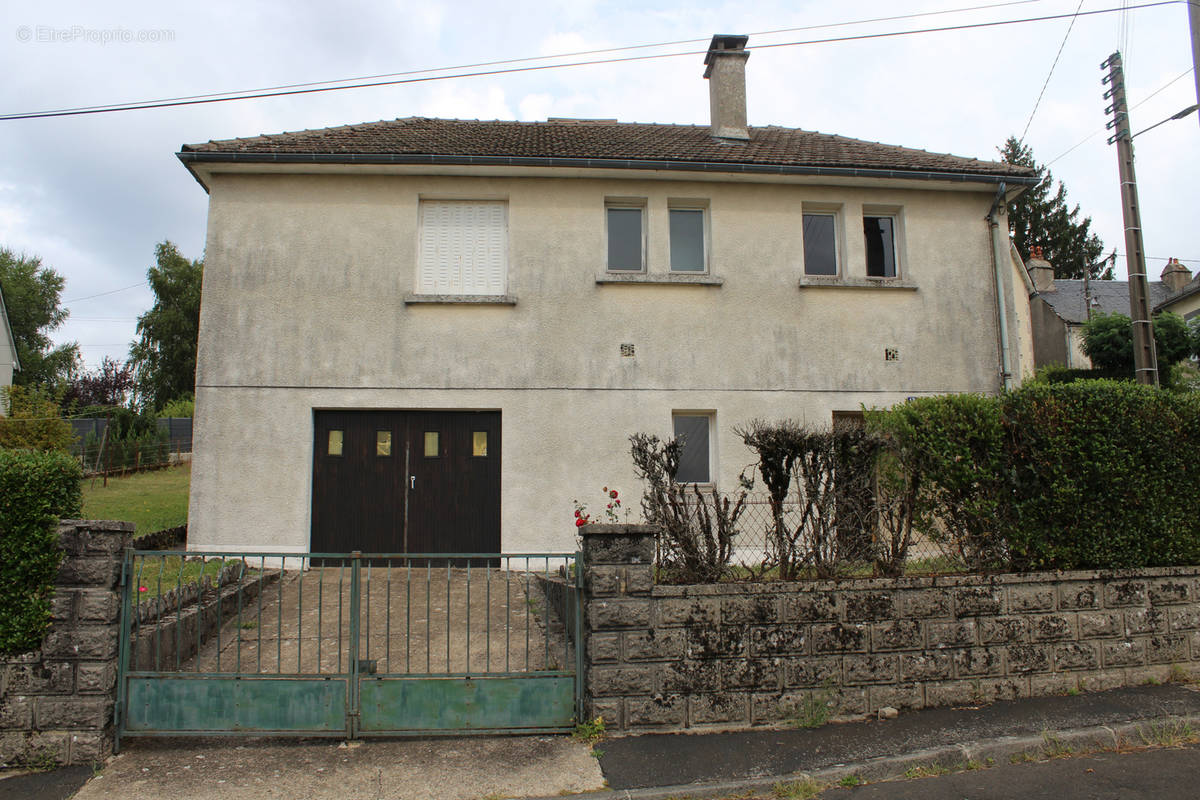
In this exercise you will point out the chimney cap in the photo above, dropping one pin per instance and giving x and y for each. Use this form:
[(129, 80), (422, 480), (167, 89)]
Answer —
[(724, 43)]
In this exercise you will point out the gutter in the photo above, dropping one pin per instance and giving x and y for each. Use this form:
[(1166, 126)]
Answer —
[(192, 157), (999, 253)]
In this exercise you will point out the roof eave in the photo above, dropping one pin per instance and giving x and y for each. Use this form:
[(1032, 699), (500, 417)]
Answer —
[(195, 157)]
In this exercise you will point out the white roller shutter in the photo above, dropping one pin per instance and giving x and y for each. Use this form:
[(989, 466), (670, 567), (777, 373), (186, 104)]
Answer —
[(464, 247)]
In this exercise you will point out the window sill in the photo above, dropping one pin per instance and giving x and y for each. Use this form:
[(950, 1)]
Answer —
[(814, 282), (661, 278), (461, 299)]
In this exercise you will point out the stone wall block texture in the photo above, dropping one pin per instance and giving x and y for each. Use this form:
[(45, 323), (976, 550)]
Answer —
[(757, 609), (52, 713), (753, 673), (1123, 653), (1076, 655), (840, 638), (92, 642), (659, 710), (866, 606), (96, 677), (971, 662), (898, 695), (1125, 593), (40, 677), (62, 605), (771, 640), (604, 647), (1102, 624), (16, 712), (666, 643), (688, 611), (811, 672), (1171, 591), (708, 641), (978, 601), (950, 634), (617, 544), (1031, 598), (99, 573), (1075, 596), (1145, 620), (606, 681), (872, 669), (1004, 630), (1166, 649), (623, 613), (1051, 627), (810, 607), (926, 666), (725, 707), (98, 605), (925, 603), (690, 677), (899, 634), (1022, 658), (1184, 619)]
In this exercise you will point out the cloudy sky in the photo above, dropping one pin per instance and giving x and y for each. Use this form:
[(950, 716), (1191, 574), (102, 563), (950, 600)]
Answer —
[(92, 195)]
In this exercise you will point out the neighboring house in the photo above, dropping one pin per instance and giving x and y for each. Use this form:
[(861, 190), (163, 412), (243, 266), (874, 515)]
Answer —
[(432, 335), (1184, 297), (1061, 307), (9, 363)]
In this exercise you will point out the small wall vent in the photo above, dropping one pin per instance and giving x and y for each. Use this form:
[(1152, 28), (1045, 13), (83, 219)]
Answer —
[(891, 354), (628, 351)]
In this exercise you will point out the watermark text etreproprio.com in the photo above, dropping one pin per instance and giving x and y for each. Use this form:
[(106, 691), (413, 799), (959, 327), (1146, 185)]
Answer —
[(71, 34)]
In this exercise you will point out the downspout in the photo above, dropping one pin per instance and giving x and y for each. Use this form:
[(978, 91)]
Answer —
[(999, 253)]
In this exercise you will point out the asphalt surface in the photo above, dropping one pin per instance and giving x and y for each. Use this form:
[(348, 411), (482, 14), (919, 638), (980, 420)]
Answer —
[(673, 759), (58, 784), (1165, 774)]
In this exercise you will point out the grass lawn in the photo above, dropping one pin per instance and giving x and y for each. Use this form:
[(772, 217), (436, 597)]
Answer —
[(151, 500)]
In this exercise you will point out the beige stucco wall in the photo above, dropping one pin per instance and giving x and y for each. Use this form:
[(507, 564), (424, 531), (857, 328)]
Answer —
[(1077, 358), (7, 357), (1186, 307), (303, 309)]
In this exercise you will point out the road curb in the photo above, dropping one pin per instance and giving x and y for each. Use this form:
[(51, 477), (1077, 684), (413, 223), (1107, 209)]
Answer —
[(955, 757)]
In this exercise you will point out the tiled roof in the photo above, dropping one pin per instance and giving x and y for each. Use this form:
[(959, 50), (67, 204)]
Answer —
[(1107, 296), (768, 146)]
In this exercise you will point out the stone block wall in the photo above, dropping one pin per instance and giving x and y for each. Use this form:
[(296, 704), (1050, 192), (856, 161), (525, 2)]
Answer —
[(730, 655), (56, 703)]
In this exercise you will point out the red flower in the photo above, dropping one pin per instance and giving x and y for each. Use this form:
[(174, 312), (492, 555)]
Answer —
[(610, 505), (613, 493), (142, 588), (579, 523), (577, 513)]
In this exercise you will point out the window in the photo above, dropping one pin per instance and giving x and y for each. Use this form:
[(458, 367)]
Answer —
[(626, 237), (432, 444), (479, 443), (820, 244), (336, 438), (383, 443), (687, 240), (694, 458), (880, 234), (463, 248)]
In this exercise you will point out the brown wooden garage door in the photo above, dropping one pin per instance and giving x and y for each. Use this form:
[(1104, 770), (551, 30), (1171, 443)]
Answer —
[(406, 482)]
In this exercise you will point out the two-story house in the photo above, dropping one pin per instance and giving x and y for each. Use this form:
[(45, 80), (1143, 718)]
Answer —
[(431, 335)]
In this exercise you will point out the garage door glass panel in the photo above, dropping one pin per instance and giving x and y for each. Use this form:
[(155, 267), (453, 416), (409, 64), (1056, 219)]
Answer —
[(335, 443), (479, 443), (383, 443), (432, 446)]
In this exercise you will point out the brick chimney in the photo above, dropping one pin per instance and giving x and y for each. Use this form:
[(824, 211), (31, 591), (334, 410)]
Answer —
[(1040, 271), (1176, 275), (725, 69)]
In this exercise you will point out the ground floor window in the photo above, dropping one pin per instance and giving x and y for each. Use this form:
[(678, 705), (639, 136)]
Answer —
[(695, 461)]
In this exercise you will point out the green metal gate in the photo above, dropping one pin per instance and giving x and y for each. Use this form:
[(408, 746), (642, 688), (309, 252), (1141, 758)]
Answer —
[(348, 644)]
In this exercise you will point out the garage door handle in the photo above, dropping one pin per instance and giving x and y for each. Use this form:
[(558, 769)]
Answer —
[(412, 482)]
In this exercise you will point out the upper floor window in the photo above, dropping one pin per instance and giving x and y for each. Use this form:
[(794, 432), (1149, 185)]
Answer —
[(687, 240), (626, 237), (463, 247), (880, 235), (820, 244)]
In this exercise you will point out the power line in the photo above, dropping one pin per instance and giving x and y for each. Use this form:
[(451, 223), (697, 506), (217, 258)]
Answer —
[(1102, 129), (541, 67), (102, 294), (1046, 83), (233, 93)]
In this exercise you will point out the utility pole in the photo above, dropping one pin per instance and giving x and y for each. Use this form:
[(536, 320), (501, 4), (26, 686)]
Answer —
[(1145, 362), (1194, 24)]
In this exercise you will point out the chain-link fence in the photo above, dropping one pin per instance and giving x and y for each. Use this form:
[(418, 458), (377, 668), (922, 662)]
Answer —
[(746, 537)]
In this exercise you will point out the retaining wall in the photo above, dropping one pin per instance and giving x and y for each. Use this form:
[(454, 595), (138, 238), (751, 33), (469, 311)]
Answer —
[(731, 655), (56, 703)]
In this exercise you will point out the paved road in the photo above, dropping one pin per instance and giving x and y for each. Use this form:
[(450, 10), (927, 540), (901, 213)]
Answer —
[(1166, 774)]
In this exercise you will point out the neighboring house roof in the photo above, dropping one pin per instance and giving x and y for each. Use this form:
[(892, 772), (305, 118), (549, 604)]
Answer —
[(12, 343), (1189, 289), (1107, 296), (604, 143)]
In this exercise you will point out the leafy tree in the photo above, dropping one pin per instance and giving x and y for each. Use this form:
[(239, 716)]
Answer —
[(109, 385), (164, 358), (1108, 340), (34, 421), (1039, 217), (32, 297)]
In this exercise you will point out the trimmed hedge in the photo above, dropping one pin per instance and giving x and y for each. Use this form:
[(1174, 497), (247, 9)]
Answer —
[(1092, 474), (1104, 474), (36, 489)]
